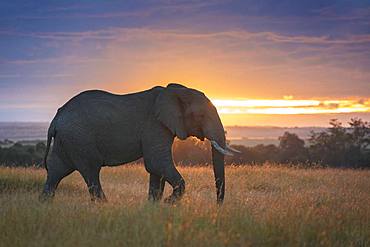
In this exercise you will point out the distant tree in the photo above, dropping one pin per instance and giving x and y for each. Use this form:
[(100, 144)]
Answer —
[(40, 147), (22, 155), (328, 146), (359, 136), (340, 146), (292, 149), (254, 155), (360, 133), (266, 153), (240, 158), (191, 151)]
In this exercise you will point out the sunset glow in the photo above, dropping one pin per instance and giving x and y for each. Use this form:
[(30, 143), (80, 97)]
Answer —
[(290, 107), (290, 63)]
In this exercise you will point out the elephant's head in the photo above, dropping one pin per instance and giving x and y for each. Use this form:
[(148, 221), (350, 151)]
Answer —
[(188, 112)]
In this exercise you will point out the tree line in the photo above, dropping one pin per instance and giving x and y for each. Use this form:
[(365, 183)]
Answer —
[(337, 146)]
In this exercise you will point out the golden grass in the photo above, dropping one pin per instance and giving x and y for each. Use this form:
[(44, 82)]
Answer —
[(268, 206)]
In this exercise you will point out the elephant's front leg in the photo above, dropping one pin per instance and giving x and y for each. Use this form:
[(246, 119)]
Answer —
[(158, 160), (156, 187), (169, 174), (174, 178)]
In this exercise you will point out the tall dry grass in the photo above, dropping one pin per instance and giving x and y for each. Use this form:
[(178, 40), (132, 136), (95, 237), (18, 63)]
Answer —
[(264, 206)]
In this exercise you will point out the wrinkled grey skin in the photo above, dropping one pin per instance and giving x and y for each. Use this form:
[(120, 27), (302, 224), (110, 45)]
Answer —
[(97, 128)]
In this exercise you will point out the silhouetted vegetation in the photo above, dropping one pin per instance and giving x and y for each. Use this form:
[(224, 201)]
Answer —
[(340, 146), (22, 155), (337, 146)]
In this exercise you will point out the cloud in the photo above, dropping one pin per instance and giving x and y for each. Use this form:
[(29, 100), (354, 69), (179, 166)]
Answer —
[(334, 12), (60, 60), (292, 107), (115, 11), (117, 33), (327, 66), (51, 75)]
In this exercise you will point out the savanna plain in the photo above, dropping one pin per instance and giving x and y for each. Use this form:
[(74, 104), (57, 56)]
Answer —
[(264, 206)]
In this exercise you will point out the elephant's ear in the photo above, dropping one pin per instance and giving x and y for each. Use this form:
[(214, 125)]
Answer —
[(169, 111)]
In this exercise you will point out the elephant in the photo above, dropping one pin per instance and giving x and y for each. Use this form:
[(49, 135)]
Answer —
[(97, 128)]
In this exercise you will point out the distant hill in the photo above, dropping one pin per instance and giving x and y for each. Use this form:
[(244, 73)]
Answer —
[(17, 131), (244, 135)]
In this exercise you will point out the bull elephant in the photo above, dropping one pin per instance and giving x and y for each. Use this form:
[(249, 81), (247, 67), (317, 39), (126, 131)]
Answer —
[(97, 128)]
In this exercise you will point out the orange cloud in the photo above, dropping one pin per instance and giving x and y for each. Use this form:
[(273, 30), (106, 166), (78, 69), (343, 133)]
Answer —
[(290, 107)]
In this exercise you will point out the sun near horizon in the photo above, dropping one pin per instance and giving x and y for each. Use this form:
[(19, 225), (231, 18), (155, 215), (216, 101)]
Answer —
[(289, 112), (260, 64)]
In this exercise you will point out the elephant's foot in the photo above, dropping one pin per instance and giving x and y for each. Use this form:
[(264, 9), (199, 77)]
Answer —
[(46, 196), (172, 199), (97, 194), (177, 193), (153, 199), (155, 195), (99, 199)]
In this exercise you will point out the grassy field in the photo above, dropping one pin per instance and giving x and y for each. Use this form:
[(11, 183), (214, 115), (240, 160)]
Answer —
[(264, 206)]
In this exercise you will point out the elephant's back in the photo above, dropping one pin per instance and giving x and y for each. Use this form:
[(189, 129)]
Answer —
[(105, 125), (101, 112), (83, 99), (98, 103), (92, 101)]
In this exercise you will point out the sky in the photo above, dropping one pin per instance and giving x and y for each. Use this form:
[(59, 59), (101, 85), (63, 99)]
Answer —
[(266, 62)]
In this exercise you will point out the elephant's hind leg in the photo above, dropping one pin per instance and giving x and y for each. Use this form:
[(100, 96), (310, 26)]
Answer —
[(156, 187), (92, 180), (57, 170)]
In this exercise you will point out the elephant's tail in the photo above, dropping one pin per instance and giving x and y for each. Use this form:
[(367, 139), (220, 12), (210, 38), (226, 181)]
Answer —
[(51, 134)]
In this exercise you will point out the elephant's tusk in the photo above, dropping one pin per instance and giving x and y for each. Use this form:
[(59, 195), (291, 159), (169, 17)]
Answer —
[(232, 149), (220, 149)]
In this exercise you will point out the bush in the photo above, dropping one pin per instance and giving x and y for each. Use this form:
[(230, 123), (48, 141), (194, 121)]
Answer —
[(342, 147), (22, 155)]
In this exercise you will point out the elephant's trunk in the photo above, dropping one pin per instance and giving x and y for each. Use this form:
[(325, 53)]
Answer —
[(219, 150), (215, 133), (219, 171)]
